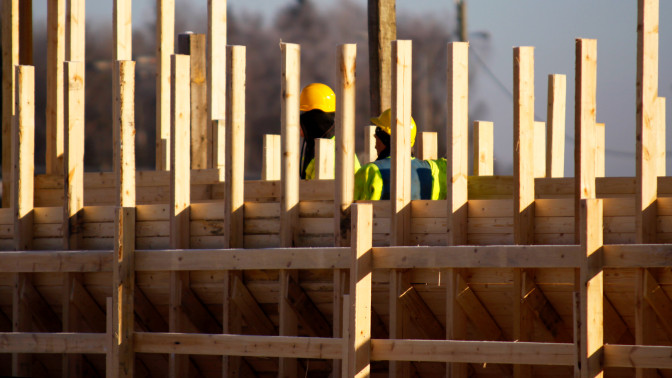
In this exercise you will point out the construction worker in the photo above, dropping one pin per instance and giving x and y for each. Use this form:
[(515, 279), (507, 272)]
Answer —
[(372, 181), (318, 107)]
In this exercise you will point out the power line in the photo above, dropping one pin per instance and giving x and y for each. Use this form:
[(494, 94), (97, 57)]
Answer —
[(507, 92)]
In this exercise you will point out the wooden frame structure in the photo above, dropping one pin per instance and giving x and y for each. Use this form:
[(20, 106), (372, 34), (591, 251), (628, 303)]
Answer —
[(198, 272)]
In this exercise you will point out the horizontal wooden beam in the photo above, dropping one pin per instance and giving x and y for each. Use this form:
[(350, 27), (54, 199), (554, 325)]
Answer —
[(476, 256), (638, 356), (54, 261), (637, 255), (538, 256), (235, 345), (498, 352), (31, 342), (241, 259)]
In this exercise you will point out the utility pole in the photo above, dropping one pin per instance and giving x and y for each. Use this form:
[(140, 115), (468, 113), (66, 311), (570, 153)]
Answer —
[(462, 20), (382, 31)]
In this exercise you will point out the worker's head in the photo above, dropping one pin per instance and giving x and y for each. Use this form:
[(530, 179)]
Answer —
[(318, 104), (318, 96), (384, 130)]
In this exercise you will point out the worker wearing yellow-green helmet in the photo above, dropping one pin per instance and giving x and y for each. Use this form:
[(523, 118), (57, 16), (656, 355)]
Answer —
[(318, 108), (372, 181)]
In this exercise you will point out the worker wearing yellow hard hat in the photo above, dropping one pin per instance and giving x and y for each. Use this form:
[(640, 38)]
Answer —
[(318, 108), (372, 181)]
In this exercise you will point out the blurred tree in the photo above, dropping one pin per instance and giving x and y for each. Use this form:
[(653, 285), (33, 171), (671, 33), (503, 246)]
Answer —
[(317, 28)]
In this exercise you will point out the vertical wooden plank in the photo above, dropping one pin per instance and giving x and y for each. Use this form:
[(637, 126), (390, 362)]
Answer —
[(218, 145), (645, 320), (23, 155), (216, 75), (179, 151), (123, 290), (400, 172), (523, 178), (10, 58), (122, 30), (361, 266), (400, 191), (344, 195), (110, 370), (647, 157), (180, 175), (600, 145), (75, 30), (382, 25), (341, 279), (345, 142), (231, 322), (73, 204), (555, 134), (370, 153), (290, 142), (399, 322), (484, 146), (523, 139), (22, 364), (345, 360), (458, 141), (592, 289), (584, 123), (429, 145), (661, 163), (123, 274), (456, 319), (271, 159), (73, 154), (26, 32), (324, 159), (23, 148), (165, 47), (647, 93), (235, 167), (522, 318), (55, 59), (124, 120), (289, 201), (201, 128), (539, 149)]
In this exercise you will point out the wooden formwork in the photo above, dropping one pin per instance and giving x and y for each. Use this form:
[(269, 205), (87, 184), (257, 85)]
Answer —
[(197, 272)]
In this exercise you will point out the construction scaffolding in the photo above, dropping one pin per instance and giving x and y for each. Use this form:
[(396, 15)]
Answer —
[(191, 270)]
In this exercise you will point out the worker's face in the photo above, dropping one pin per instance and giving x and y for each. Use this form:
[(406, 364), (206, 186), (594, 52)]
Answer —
[(379, 145)]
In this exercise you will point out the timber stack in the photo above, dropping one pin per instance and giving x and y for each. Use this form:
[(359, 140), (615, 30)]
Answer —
[(191, 270)]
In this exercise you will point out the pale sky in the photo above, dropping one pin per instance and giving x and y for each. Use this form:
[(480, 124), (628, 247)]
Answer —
[(550, 26)]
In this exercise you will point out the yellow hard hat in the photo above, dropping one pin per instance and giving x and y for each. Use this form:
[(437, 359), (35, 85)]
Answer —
[(384, 119), (318, 96)]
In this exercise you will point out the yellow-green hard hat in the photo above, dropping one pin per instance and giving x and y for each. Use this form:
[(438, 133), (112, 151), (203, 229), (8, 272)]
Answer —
[(318, 96), (384, 119)]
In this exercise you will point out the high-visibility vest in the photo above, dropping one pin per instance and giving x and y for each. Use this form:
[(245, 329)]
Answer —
[(372, 181)]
